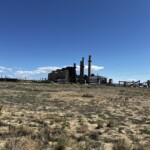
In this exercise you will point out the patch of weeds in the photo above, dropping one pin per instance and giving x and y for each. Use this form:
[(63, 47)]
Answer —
[(112, 123), (21, 131), (145, 131), (63, 142), (19, 120), (122, 145), (97, 145), (92, 121), (139, 146), (70, 115), (55, 134), (100, 124), (41, 122), (82, 129), (81, 120), (65, 123), (58, 119), (81, 138), (121, 130), (21, 144), (1, 107), (2, 123), (138, 121), (85, 146), (45, 135), (121, 92)]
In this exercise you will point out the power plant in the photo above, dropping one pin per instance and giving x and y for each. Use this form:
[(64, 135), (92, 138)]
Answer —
[(68, 74)]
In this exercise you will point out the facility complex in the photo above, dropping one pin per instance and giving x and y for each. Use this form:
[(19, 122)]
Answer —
[(68, 74)]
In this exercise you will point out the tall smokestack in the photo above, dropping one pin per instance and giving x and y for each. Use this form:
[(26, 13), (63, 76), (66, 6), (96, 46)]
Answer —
[(89, 66), (74, 65), (82, 67), (74, 73)]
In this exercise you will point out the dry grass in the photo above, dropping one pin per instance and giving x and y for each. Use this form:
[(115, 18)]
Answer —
[(41, 116)]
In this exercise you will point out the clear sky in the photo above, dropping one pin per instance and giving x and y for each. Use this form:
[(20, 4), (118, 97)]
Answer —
[(37, 36)]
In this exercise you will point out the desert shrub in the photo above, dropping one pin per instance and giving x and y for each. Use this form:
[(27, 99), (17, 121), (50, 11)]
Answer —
[(94, 135)]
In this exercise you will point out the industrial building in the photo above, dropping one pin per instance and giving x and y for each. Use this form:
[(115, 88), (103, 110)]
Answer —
[(68, 74)]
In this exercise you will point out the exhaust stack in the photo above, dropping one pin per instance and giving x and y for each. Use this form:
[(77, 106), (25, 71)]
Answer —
[(89, 66), (82, 67)]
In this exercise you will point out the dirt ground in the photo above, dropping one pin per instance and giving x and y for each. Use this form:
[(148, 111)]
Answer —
[(42, 116)]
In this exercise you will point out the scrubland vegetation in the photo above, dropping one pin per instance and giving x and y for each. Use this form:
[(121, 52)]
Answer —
[(46, 116)]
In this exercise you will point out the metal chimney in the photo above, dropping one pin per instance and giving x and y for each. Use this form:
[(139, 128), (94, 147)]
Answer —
[(82, 67), (74, 73), (74, 65), (89, 66)]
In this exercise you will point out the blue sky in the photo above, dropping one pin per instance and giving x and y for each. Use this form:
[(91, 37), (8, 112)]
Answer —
[(37, 36)]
